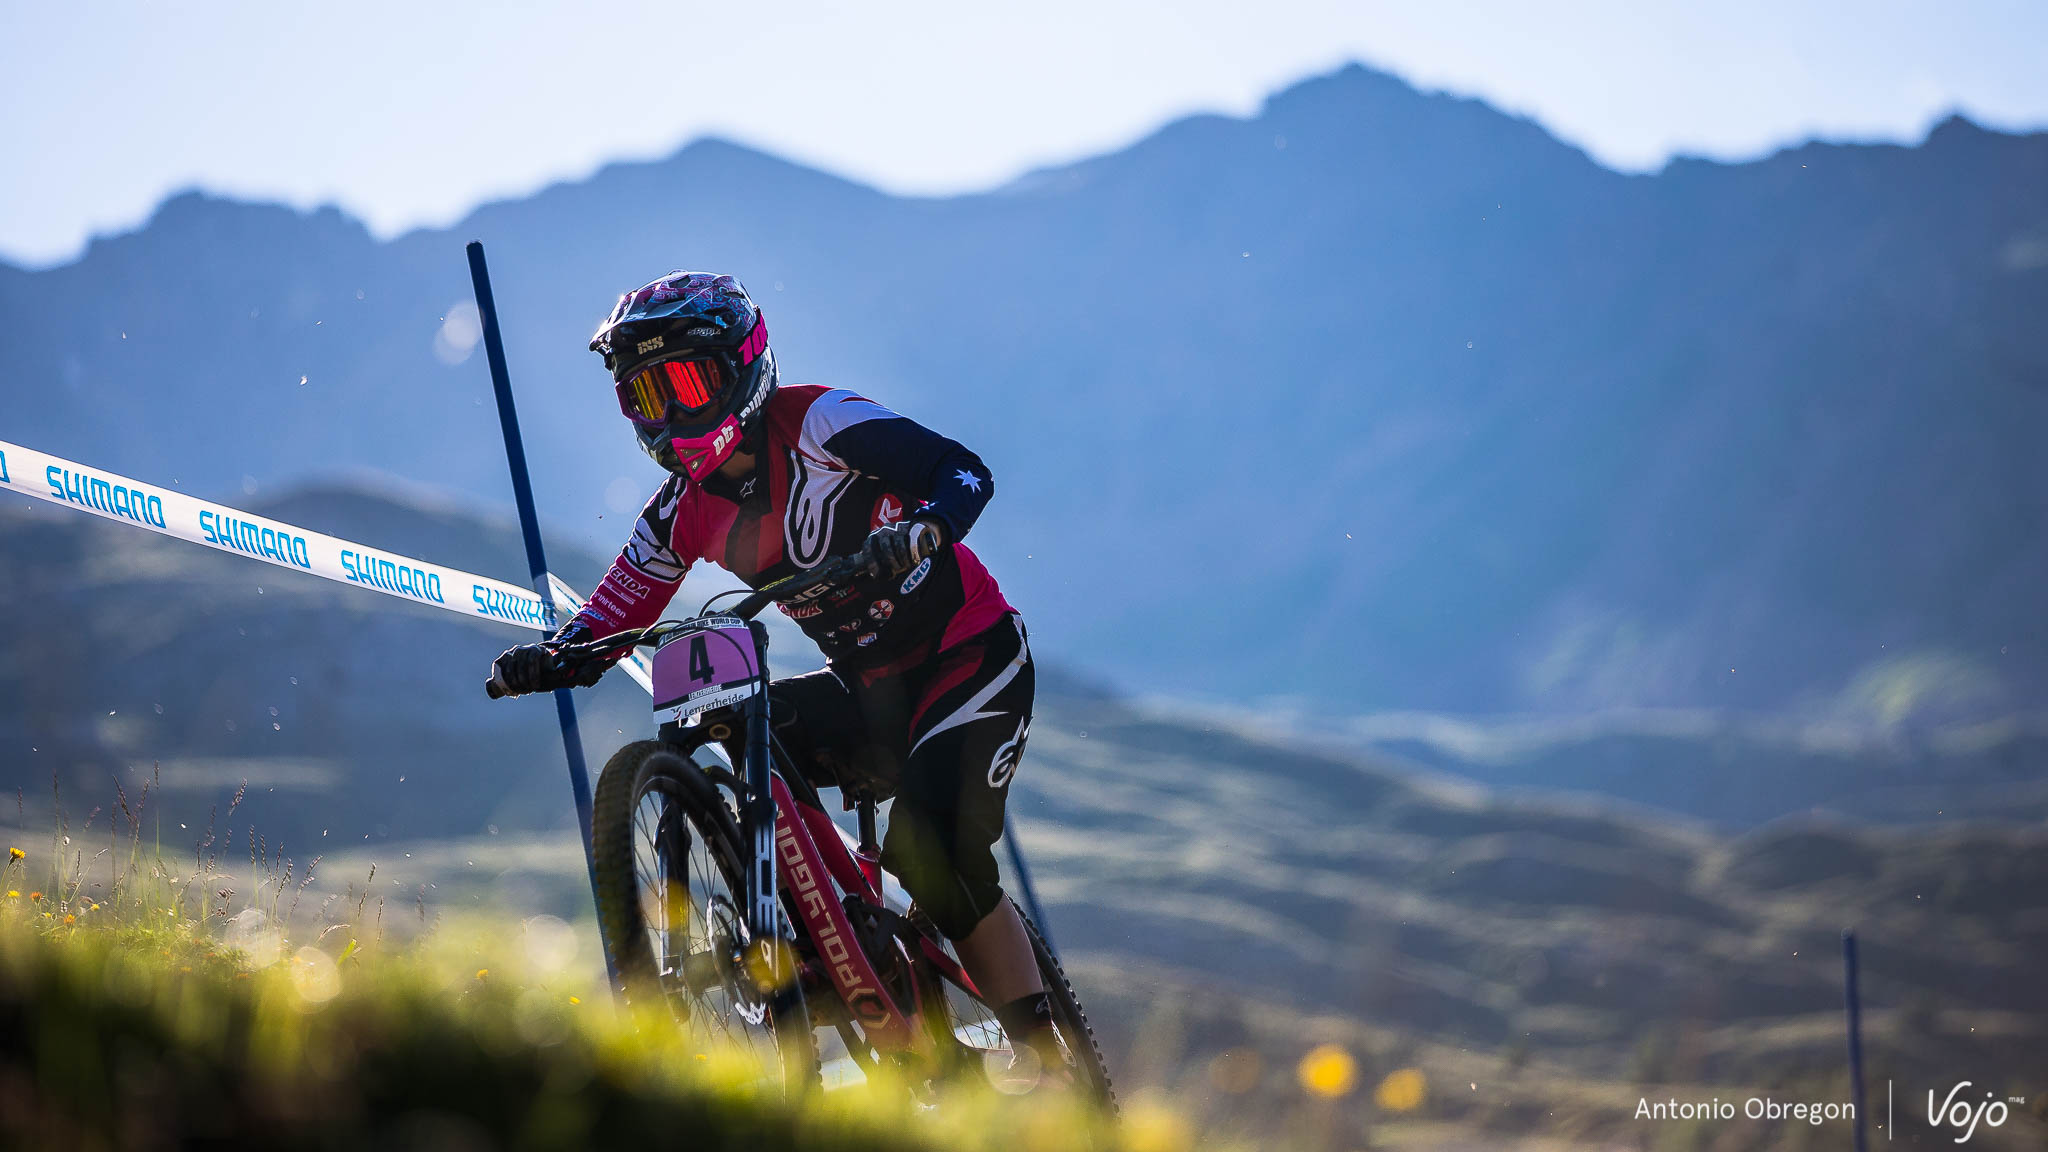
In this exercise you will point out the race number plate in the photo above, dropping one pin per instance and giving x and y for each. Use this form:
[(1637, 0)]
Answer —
[(709, 665)]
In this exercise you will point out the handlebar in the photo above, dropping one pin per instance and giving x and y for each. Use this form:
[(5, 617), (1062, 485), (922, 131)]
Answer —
[(568, 657)]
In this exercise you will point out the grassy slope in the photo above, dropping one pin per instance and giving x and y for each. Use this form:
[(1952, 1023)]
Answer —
[(145, 1037), (1223, 896)]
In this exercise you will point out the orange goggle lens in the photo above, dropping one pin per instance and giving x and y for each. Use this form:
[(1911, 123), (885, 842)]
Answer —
[(694, 384)]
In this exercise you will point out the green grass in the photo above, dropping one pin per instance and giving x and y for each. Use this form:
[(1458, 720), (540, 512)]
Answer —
[(146, 1010)]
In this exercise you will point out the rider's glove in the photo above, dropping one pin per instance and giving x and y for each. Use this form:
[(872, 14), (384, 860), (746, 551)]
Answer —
[(896, 548), (534, 668)]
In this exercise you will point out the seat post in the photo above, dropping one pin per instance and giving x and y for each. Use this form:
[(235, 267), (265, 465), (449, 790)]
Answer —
[(870, 853), (866, 805)]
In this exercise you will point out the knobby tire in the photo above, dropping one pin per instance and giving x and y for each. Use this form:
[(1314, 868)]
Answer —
[(631, 774)]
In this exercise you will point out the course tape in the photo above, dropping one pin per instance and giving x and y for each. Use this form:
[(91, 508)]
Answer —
[(226, 529)]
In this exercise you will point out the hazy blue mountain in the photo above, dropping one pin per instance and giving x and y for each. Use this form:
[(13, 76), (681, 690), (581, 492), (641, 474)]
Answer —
[(361, 718), (1377, 399), (1211, 891)]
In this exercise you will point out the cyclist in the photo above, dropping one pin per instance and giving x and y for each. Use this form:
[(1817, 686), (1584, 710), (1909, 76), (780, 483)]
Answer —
[(928, 687)]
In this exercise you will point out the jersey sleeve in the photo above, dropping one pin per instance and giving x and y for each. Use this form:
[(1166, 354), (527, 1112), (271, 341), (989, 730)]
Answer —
[(851, 431), (646, 574)]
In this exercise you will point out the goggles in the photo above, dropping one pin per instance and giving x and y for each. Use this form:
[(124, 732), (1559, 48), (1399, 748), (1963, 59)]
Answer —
[(692, 384)]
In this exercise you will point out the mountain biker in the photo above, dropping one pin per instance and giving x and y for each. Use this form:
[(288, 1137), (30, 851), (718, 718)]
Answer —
[(928, 687)]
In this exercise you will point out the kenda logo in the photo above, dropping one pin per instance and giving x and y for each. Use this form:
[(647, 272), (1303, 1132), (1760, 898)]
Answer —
[(377, 572), (254, 539), (1963, 1113), (502, 605), (88, 490)]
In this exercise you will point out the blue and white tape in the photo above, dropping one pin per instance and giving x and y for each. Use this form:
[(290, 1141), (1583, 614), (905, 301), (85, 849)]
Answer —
[(227, 529)]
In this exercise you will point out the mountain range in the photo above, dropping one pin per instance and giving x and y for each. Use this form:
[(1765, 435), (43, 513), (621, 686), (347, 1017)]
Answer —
[(1375, 401), (1223, 898)]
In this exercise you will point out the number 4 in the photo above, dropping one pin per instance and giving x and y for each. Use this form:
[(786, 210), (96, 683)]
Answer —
[(700, 661)]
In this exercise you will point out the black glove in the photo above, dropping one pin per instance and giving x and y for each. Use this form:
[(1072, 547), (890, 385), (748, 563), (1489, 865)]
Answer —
[(535, 668), (896, 548)]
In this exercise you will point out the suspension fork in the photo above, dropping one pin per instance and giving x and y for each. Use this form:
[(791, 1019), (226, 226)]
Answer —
[(758, 812)]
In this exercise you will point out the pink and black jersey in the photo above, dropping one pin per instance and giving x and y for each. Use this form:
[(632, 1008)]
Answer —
[(833, 466)]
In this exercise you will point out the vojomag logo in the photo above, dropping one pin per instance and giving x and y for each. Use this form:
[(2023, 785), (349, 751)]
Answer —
[(1961, 1112)]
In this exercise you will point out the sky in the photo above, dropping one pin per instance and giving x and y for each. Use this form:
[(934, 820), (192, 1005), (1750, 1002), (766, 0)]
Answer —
[(410, 114)]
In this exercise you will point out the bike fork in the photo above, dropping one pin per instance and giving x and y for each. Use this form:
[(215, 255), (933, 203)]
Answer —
[(759, 813)]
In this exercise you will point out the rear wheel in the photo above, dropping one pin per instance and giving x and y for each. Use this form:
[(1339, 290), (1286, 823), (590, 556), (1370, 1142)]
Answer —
[(671, 902), (969, 1040)]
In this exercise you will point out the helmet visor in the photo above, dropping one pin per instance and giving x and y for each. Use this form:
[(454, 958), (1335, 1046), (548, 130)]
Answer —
[(691, 385)]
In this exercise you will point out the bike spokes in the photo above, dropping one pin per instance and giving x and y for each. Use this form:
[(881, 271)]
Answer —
[(695, 928)]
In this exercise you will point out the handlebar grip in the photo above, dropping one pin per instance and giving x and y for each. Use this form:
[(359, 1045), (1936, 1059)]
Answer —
[(494, 688)]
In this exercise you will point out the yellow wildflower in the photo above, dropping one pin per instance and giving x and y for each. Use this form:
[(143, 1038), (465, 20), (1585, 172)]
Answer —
[(13, 894), (482, 972), (70, 919), (1327, 1071), (1402, 1091), (15, 854)]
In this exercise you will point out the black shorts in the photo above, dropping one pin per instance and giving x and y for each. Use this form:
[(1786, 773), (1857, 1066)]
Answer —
[(943, 737)]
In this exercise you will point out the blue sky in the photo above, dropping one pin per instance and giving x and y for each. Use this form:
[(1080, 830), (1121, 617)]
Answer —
[(409, 113)]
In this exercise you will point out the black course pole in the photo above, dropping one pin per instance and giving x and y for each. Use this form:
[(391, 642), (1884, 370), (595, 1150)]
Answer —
[(536, 559), (1855, 1007)]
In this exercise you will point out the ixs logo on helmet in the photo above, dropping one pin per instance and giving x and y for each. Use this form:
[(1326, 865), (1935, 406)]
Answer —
[(653, 345)]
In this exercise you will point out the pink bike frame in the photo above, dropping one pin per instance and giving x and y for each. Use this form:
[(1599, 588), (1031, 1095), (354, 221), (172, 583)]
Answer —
[(811, 856)]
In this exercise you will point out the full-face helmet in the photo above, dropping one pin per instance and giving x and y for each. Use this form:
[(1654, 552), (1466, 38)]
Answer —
[(689, 358)]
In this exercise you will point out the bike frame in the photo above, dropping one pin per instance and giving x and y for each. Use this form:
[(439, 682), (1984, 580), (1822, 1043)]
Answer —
[(799, 852)]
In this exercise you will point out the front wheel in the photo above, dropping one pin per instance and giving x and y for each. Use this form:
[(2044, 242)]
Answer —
[(671, 902)]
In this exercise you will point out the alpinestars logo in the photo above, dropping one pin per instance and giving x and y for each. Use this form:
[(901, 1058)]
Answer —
[(813, 497), (1004, 765)]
